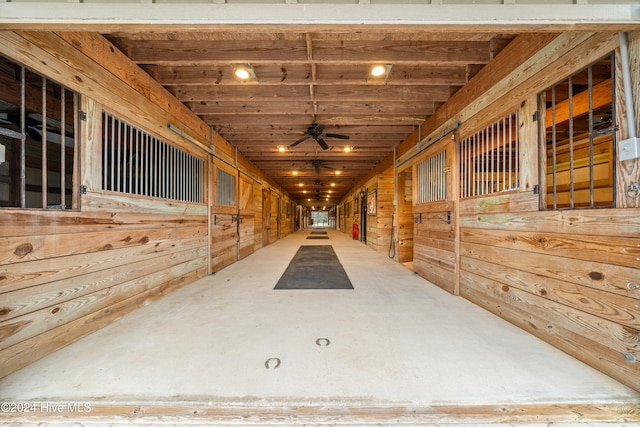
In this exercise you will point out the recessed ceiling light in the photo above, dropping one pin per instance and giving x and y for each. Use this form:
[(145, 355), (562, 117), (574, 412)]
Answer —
[(295, 172), (378, 70), (347, 149), (244, 71), (243, 74), (338, 172), (282, 148), (333, 184)]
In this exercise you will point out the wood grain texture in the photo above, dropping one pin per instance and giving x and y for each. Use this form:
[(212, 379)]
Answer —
[(436, 414)]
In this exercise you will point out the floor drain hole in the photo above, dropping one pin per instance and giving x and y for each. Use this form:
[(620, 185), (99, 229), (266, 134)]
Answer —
[(272, 363), (323, 342)]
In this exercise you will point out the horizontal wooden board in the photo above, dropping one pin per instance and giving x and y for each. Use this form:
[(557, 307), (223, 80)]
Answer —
[(597, 342), (326, 414), (35, 247), (28, 351), (115, 202), (32, 298), (623, 251), (30, 325), (34, 222), (613, 307), (606, 277), (34, 273), (596, 222)]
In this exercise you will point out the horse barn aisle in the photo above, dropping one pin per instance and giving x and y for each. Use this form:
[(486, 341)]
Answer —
[(230, 349)]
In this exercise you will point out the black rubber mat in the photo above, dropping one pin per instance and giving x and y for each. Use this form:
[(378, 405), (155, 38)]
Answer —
[(314, 267), (318, 232), (317, 237)]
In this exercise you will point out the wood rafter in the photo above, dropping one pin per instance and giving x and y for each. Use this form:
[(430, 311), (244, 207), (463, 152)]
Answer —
[(305, 77)]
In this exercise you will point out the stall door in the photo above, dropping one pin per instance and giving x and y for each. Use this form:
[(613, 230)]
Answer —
[(434, 214), (266, 217)]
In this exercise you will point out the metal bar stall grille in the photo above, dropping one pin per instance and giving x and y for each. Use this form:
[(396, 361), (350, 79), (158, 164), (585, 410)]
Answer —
[(136, 162), (431, 179), (225, 188), (579, 128), (489, 159)]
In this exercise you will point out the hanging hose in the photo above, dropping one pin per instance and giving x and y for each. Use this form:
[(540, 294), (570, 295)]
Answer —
[(392, 242)]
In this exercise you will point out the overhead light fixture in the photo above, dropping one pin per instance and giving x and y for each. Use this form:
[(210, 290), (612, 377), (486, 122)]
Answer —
[(244, 72), (338, 172), (282, 148), (379, 73), (294, 173), (348, 149), (333, 184), (301, 184)]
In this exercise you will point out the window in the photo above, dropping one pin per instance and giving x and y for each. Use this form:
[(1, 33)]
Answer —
[(577, 116), (136, 162), (38, 123), (489, 159), (431, 179), (225, 188)]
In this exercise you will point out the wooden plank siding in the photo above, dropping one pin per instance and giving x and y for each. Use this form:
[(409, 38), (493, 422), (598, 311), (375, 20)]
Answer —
[(60, 267), (568, 276), (65, 274)]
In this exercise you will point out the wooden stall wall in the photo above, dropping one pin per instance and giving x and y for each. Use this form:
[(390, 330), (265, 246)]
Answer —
[(570, 276), (567, 276), (65, 274)]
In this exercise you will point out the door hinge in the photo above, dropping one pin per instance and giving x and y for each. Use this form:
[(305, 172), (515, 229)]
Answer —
[(83, 116), (536, 189), (536, 116), (83, 189)]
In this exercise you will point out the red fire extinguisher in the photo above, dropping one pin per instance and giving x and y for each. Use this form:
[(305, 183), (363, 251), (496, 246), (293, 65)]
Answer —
[(354, 231)]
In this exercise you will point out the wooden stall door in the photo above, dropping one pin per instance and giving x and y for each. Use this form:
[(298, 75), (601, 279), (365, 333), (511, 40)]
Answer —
[(246, 223), (435, 228), (404, 218), (266, 217)]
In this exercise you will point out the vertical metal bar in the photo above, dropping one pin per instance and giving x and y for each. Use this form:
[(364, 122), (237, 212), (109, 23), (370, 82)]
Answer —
[(591, 171), (553, 146), (131, 144), (571, 177), (163, 172), (138, 157), (493, 158), (147, 166), (43, 139), (516, 136), (126, 137), (105, 123), (184, 178), (63, 146), (486, 160), (112, 154), (118, 157), (23, 141), (154, 168), (505, 141)]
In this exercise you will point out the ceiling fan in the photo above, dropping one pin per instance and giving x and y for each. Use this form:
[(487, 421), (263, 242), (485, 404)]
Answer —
[(315, 131)]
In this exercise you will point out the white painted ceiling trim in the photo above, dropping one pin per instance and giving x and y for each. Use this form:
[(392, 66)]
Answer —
[(199, 14)]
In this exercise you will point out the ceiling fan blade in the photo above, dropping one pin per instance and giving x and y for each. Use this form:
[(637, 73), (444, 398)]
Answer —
[(319, 127), (322, 143), (336, 135), (299, 141)]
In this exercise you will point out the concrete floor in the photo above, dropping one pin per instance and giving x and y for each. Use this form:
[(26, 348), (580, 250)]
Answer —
[(394, 340)]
